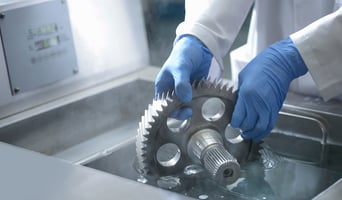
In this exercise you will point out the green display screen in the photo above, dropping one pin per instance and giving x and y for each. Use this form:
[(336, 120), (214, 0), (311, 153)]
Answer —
[(47, 29), (46, 43)]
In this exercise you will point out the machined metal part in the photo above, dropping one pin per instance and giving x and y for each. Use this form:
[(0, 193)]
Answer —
[(165, 145), (207, 146)]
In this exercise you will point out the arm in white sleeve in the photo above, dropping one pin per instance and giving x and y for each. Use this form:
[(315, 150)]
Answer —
[(320, 45), (216, 23)]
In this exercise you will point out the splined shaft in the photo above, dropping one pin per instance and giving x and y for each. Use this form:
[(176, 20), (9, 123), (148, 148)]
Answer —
[(206, 147)]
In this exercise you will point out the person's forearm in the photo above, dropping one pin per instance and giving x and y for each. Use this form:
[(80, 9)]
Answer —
[(320, 45), (216, 23)]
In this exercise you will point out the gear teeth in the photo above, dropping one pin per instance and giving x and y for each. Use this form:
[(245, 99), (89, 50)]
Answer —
[(160, 112), (158, 96), (140, 131), (195, 84), (155, 117), (216, 82), (148, 116), (170, 95), (225, 87), (203, 84), (209, 85), (162, 97), (230, 90), (198, 84), (221, 85), (141, 125)]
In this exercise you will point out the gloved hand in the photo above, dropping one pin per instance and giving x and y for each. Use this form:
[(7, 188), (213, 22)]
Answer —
[(189, 60), (263, 85)]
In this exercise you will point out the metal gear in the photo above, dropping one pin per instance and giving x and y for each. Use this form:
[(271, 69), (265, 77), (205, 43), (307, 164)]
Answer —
[(165, 145)]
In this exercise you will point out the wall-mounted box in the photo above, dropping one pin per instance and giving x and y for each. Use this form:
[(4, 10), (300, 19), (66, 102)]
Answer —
[(38, 45)]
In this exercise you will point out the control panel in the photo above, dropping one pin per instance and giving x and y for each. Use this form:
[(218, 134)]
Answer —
[(38, 45)]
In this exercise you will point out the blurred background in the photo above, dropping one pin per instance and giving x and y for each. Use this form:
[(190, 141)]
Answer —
[(161, 20)]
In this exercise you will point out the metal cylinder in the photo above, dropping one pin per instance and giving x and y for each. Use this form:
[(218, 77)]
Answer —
[(206, 147)]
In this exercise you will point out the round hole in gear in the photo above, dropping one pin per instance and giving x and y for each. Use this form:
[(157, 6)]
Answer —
[(179, 120), (232, 135), (168, 155), (213, 109)]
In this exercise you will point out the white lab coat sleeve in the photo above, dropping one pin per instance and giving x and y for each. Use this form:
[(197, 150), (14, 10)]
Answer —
[(216, 23), (320, 45)]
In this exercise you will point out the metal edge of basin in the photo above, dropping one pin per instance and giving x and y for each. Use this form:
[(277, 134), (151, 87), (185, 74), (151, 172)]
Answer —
[(333, 192)]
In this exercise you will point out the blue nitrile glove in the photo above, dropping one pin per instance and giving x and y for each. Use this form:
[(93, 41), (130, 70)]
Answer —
[(263, 85), (189, 60)]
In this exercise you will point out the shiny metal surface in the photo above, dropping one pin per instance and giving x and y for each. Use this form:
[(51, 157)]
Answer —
[(333, 192), (30, 175), (330, 112), (78, 126)]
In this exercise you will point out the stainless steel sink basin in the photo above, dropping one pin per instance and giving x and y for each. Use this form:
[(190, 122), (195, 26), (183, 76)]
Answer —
[(299, 159), (282, 167), (78, 129)]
